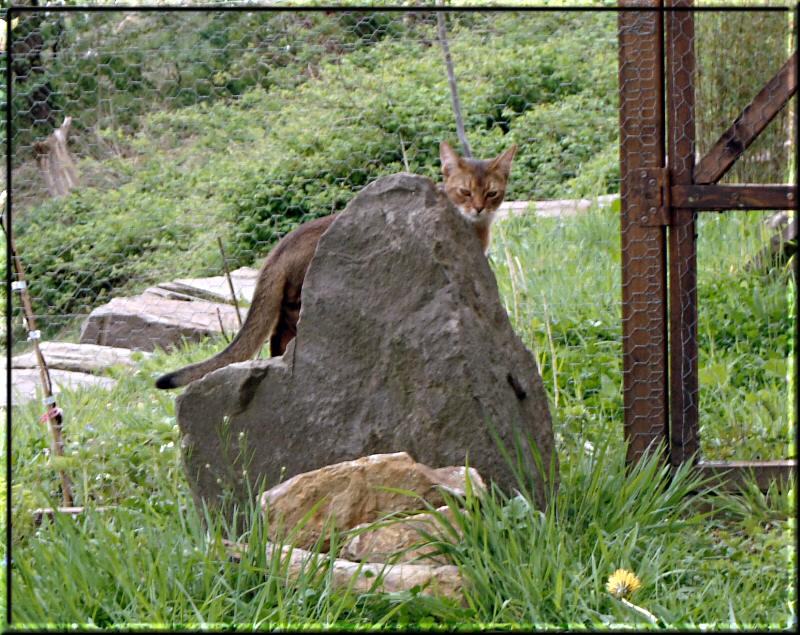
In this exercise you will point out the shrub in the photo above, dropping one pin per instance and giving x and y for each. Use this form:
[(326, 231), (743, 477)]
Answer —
[(251, 169)]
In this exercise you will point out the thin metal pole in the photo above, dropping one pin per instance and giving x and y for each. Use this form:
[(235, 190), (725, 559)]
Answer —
[(451, 78)]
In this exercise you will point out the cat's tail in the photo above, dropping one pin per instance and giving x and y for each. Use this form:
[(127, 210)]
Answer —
[(261, 320)]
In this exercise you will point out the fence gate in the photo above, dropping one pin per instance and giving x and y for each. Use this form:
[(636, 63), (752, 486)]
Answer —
[(663, 188)]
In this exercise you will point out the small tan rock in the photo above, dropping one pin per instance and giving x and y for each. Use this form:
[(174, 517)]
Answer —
[(398, 540), (442, 580), (355, 492)]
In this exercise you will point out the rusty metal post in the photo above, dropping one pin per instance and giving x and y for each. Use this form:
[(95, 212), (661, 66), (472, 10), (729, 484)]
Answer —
[(643, 236), (684, 411)]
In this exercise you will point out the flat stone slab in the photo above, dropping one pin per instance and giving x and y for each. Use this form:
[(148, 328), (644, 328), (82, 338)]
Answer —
[(26, 384), (554, 208), (170, 295), (146, 322), (215, 288), (82, 358)]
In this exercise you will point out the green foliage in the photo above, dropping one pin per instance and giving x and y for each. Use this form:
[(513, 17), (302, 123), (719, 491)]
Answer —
[(756, 45), (568, 156), (249, 170), (744, 338), (80, 251), (111, 69), (570, 314), (529, 566)]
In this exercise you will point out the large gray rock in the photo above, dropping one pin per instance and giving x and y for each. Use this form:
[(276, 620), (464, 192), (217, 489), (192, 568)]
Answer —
[(146, 321), (402, 345)]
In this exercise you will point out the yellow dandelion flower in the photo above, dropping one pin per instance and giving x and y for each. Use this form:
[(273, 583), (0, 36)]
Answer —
[(623, 583)]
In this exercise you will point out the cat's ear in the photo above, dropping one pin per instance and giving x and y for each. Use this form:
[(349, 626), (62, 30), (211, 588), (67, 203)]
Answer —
[(450, 160), (502, 162)]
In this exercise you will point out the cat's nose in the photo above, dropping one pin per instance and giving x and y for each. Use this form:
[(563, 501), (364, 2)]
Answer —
[(478, 210)]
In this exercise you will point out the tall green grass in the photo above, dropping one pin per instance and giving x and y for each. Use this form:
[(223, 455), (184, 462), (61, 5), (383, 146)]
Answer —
[(549, 568), (561, 283), (520, 565), (144, 566), (153, 560)]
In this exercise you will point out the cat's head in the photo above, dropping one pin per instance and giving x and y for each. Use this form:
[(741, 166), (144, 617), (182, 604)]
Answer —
[(474, 186)]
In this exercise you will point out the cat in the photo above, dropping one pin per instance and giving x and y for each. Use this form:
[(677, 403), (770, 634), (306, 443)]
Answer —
[(475, 187)]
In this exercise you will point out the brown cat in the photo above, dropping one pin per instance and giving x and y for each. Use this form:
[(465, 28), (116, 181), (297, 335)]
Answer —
[(475, 187)]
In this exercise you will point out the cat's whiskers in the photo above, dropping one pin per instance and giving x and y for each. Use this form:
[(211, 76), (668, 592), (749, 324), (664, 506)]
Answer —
[(484, 217)]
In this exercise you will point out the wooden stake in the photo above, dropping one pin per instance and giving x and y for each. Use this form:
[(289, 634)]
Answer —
[(222, 327), (230, 283), (53, 415)]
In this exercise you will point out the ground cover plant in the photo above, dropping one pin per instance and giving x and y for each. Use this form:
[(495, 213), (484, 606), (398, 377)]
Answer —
[(253, 158)]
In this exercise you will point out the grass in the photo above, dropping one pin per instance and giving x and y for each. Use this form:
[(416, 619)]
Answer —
[(142, 564), (603, 518), (153, 561), (568, 312), (560, 281)]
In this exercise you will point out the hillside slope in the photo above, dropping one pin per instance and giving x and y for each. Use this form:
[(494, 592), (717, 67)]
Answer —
[(249, 169)]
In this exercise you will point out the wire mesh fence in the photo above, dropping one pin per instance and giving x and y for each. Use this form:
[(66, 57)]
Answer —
[(715, 348), (693, 354), (725, 84), (199, 138)]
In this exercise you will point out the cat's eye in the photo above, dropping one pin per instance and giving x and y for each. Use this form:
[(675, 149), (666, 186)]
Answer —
[(464, 192), (492, 194)]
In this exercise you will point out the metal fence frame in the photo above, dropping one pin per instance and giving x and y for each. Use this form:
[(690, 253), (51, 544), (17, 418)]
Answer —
[(662, 191)]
